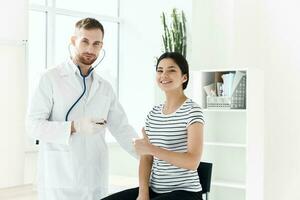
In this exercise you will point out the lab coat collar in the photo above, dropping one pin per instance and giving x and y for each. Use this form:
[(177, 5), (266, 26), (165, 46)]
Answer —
[(73, 66), (70, 68)]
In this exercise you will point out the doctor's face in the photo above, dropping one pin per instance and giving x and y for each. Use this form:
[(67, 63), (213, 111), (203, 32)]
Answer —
[(88, 44)]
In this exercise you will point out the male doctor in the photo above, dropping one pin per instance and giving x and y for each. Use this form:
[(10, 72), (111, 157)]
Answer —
[(73, 155)]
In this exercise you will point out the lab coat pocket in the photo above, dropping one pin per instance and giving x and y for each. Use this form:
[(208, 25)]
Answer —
[(59, 169), (99, 107)]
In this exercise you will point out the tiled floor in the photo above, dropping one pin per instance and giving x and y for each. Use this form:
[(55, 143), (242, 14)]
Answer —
[(28, 192)]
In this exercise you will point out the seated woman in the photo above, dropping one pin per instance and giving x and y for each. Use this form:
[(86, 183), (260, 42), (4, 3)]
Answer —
[(171, 148)]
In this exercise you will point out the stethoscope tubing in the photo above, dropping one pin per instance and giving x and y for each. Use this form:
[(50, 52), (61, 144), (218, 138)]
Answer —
[(84, 83)]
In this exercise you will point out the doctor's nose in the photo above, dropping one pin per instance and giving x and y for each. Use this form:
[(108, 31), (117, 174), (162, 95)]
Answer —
[(90, 49)]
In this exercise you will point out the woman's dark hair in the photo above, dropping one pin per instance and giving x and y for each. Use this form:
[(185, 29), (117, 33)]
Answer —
[(180, 61)]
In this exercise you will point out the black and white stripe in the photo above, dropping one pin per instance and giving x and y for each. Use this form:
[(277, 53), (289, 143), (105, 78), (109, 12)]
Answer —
[(170, 132)]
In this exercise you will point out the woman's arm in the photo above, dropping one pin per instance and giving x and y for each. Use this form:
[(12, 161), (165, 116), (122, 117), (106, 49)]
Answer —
[(144, 176), (188, 160)]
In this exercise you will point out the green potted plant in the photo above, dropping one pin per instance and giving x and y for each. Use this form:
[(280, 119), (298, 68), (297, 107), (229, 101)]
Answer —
[(174, 36)]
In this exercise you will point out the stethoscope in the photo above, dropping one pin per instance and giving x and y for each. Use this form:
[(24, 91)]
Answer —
[(84, 84), (83, 79)]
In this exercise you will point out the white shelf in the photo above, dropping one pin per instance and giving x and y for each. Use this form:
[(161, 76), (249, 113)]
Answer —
[(225, 110), (233, 138), (225, 69), (229, 184), (225, 144)]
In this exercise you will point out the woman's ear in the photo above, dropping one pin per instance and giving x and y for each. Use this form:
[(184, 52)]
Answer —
[(184, 78)]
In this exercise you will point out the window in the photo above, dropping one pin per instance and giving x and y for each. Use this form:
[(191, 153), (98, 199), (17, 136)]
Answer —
[(36, 47), (51, 23), (102, 7)]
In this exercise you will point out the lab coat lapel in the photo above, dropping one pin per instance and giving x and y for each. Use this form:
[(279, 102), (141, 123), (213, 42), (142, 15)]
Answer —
[(69, 75), (74, 82), (94, 87)]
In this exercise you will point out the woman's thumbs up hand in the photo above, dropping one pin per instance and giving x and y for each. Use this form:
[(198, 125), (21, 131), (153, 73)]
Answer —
[(142, 145)]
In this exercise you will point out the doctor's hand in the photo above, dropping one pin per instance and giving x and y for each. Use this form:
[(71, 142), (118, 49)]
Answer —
[(143, 146), (89, 126)]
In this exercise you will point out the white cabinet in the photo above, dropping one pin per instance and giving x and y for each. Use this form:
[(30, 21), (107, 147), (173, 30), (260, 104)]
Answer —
[(233, 138)]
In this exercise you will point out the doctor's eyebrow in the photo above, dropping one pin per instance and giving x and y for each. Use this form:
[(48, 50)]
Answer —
[(96, 42)]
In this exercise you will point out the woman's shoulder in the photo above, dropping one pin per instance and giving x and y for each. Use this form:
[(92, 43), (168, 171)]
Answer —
[(156, 108), (191, 105), (194, 113)]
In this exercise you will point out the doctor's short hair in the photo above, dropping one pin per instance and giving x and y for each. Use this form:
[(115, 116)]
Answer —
[(88, 24), (180, 61)]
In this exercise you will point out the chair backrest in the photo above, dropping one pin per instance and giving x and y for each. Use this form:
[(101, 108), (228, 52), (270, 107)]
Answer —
[(204, 172)]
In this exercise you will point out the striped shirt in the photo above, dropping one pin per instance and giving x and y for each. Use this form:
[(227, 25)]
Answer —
[(170, 132)]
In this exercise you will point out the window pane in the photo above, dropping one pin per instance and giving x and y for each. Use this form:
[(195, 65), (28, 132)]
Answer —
[(108, 67), (101, 7), (36, 47), (63, 31)]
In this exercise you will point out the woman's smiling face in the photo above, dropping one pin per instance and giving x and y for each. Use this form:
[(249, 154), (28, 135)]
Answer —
[(169, 76)]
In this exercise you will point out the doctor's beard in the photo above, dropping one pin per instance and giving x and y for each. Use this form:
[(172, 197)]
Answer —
[(86, 58)]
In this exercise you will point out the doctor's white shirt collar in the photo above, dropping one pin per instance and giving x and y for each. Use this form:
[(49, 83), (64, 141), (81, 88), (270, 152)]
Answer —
[(74, 69)]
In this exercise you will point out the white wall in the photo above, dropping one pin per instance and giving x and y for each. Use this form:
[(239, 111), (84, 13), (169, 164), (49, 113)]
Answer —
[(263, 34), (12, 106), (282, 65), (13, 87), (141, 44), (13, 20), (226, 33)]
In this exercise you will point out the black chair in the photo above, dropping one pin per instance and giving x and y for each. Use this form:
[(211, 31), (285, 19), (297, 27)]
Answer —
[(204, 172)]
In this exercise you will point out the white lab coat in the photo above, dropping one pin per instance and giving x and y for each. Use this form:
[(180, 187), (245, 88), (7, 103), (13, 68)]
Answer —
[(74, 167)]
